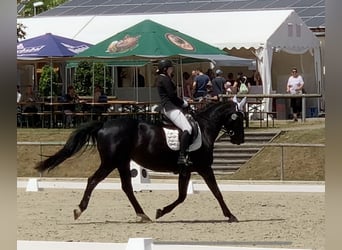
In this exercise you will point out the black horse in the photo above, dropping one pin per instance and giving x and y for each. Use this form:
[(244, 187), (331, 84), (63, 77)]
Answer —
[(121, 140)]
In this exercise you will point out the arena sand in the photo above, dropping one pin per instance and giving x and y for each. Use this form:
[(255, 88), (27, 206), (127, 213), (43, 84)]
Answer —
[(288, 220)]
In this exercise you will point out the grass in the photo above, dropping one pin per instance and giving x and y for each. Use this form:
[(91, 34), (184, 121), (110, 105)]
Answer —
[(300, 163)]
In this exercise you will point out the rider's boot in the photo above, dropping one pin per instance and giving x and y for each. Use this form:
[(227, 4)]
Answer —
[(183, 160)]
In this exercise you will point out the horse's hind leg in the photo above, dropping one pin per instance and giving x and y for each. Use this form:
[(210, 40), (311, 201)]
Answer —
[(210, 180), (183, 182), (126, 185), (102, 172)]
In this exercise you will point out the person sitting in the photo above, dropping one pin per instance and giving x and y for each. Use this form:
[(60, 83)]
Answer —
[(30, 106), (171, 107), (71, 98), (99, 97), (140, 79)]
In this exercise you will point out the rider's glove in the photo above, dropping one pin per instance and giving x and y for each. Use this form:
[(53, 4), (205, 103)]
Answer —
[(185, 104)]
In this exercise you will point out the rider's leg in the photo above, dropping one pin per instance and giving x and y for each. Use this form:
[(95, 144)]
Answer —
[(184, 145), (179, 119)]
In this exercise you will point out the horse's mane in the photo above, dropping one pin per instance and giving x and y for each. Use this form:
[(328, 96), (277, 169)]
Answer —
[(210, 109)]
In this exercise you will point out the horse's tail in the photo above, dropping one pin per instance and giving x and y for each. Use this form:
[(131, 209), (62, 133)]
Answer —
[(74, 144)]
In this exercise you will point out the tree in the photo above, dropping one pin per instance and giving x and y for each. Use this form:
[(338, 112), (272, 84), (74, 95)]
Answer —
[(84, 77), (20, 31), (45, 82), (29, 8)]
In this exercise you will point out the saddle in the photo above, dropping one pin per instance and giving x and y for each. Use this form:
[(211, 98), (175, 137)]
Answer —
[(172, 133)]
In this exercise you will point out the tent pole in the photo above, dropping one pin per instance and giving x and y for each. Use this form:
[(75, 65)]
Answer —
[(93, 82), (51, 66)]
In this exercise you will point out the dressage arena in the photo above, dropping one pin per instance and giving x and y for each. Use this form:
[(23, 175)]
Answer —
[(269, 218)]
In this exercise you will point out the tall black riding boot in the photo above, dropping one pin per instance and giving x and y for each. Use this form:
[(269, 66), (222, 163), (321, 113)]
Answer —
[(183, 160)]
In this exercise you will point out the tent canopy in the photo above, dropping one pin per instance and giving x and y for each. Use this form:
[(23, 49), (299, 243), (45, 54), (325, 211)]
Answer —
[(241, 28), (265, 31)]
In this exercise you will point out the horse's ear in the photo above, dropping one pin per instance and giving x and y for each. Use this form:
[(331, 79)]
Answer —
[(242, 103)]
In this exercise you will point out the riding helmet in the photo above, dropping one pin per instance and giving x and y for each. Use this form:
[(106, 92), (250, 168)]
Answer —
[(164, 64)]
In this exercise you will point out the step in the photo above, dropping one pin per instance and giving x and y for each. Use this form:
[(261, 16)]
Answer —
[(221, 161), (230, 155)]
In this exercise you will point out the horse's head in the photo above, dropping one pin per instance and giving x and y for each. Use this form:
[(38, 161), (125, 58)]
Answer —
[(233, 125)]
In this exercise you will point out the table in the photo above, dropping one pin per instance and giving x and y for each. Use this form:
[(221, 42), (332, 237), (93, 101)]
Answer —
[(279, 96)]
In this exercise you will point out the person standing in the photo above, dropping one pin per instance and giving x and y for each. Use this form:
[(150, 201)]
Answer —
[(172, 107), (200, 84), (229, 84), (18, 94), (295, 85), (218, 85), (187, 85)]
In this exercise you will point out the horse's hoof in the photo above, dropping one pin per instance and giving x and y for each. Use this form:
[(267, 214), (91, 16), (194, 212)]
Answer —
[(232, 219), (159, 213), (77, 213), (143, 218)]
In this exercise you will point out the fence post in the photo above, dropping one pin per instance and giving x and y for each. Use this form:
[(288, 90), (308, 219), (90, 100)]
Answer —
[(282, 164)]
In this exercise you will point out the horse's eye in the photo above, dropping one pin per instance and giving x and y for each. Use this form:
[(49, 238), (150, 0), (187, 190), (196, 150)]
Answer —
[(231, 133), (234, 116)]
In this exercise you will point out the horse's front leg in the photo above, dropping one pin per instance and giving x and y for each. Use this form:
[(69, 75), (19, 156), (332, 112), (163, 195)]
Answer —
[(183, 182), (126, 185), (210, 180)]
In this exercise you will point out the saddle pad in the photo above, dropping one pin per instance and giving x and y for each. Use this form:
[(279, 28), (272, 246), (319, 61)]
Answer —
[(172, 139)]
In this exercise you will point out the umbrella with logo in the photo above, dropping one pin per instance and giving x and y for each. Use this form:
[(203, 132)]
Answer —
[(49, 45), (49, 48), (152, 40)]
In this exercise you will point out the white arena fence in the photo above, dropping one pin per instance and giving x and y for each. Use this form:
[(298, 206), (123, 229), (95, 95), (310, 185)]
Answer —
[(281, 145)]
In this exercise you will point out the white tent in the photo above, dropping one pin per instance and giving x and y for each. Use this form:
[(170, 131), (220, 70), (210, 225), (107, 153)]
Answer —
[(277, 36)]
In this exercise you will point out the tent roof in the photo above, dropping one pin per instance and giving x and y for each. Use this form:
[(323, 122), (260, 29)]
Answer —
[(221, 29)]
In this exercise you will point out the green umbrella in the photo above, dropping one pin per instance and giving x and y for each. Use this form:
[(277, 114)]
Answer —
[(149, 39)]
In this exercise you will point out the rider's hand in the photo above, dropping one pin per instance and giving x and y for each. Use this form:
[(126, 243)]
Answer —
[(185, 104)]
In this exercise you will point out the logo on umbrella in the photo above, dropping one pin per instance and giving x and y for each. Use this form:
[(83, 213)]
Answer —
[(180, 42), (75, 49), (21, 49), (123, 45)]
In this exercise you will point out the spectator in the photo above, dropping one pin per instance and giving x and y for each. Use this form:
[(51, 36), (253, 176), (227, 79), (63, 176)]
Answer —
[(257, 78), (30, 106), (141, 80), (200, 84), (99, 97), (218, 85), (210, 73), (71, 98), (228, 86), (18, 94), (294, 86), (241, 86), (187, 86), (97, 92)]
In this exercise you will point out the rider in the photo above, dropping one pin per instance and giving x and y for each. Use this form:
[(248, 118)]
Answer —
[(171, 106)]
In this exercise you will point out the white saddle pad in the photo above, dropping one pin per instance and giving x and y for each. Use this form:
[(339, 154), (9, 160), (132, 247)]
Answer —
[(172, 139)]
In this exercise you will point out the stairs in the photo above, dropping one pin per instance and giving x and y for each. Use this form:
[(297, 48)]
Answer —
[(228, 157)]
